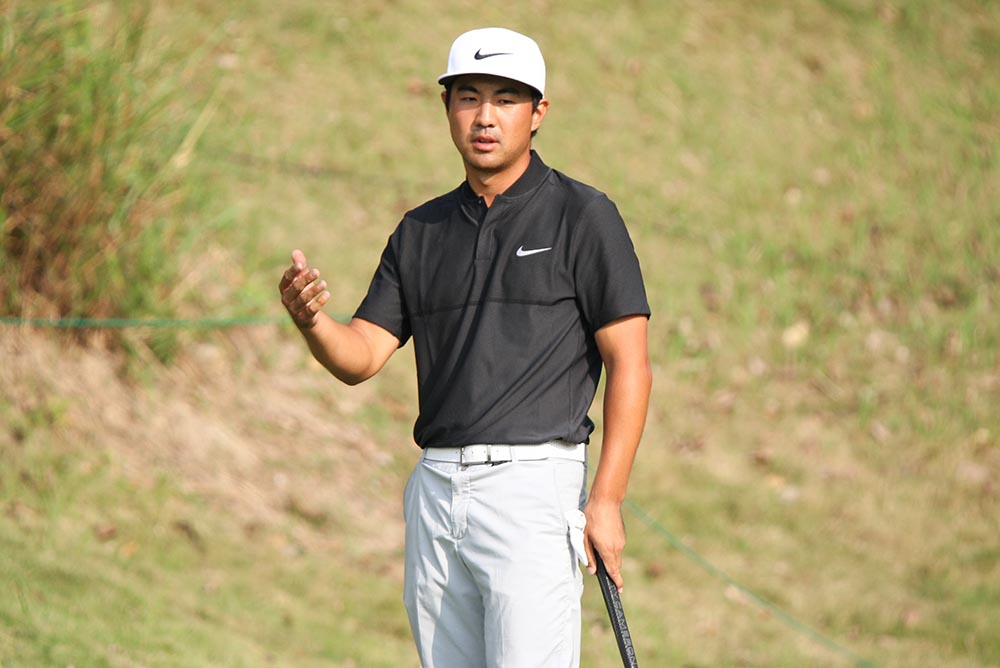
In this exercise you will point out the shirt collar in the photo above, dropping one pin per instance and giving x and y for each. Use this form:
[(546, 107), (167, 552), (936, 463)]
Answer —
[(527, 182)]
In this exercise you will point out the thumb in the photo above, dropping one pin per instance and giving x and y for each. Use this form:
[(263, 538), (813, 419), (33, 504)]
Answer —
[(298, 258)]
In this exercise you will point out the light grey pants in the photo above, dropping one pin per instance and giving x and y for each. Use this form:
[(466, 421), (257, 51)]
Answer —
[(492, 572)]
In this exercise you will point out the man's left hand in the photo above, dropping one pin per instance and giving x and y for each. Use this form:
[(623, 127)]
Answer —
[(605, 533)]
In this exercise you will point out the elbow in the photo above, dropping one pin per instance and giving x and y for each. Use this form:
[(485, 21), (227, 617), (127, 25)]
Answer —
[(646, 376), (351, 379)]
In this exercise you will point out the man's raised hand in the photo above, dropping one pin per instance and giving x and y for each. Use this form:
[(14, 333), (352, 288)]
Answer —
[(302, 292)]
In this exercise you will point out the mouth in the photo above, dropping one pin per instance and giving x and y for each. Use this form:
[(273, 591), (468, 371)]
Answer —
[(484, 142)]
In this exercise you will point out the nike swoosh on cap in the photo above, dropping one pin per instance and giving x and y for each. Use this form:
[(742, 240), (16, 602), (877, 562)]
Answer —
[(525, 253), (482, 56)]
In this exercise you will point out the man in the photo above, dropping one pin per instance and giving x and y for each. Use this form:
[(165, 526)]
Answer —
[(516, 288)]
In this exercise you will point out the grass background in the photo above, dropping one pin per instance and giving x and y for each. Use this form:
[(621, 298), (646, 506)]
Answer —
[(812, 188)]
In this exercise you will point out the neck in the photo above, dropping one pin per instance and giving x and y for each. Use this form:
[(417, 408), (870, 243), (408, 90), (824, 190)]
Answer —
[(489, 184)]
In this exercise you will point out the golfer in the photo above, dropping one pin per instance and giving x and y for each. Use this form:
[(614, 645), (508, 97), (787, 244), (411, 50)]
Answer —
[(516, 288)]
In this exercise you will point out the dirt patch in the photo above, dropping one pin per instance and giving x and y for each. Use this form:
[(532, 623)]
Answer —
[(245, 420)]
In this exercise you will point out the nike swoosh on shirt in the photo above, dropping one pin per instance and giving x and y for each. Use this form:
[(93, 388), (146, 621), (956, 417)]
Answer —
[(525, 253), (479, 55)]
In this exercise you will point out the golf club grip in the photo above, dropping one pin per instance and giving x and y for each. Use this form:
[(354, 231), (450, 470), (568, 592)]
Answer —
[(616, 612)]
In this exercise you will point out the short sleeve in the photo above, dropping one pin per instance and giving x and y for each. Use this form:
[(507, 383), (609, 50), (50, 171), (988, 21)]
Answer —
[(606, 269), (385, 305)]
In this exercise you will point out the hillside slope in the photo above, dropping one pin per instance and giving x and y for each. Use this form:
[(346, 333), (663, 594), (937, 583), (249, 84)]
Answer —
[(813, 192)]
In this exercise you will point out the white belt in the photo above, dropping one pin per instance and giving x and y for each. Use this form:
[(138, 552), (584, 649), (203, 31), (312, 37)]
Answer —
[(501, 452)]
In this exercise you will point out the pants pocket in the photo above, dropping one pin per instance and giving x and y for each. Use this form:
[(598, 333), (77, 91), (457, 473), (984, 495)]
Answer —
[(576, 522)]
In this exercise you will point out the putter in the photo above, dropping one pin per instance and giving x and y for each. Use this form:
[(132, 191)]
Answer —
[(617, 614)]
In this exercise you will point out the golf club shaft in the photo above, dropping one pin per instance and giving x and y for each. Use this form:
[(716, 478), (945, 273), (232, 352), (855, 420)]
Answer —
[(613, 602)]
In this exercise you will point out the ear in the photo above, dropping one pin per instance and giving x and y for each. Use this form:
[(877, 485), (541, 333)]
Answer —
[(444, 99), (539, 114)]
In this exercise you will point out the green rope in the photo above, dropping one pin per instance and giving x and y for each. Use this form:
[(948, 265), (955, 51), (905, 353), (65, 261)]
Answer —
[(788, 620), (156, 323)]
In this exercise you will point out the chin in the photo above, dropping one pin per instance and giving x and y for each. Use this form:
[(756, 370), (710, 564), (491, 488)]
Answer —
[(486, 163)]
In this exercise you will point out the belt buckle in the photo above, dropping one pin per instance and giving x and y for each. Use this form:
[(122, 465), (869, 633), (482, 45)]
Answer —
[(472, 455), (467, 451)]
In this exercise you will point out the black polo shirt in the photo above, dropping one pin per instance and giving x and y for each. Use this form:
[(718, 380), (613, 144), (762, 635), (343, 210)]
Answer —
[(502, 303)]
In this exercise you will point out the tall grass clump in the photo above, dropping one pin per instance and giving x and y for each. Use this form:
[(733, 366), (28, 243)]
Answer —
[(82, 160)]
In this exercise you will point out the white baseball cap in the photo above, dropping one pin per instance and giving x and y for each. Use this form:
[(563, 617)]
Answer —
[(497, 51)]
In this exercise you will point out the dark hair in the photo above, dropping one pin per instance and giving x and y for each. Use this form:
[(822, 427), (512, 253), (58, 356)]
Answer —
[(536, 98)]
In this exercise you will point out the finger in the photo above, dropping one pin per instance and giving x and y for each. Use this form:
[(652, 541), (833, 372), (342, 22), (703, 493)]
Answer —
[(298, 284), (298, 264), (297, 303), (298, 299), (316, 304), (290, 275), (613, 564), (307, 317), (286, 279), (309, 293), (290, 294), (588, 547), (616, 577)]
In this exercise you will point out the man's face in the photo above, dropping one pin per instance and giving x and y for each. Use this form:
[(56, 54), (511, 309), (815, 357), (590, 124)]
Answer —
[(491, 121)]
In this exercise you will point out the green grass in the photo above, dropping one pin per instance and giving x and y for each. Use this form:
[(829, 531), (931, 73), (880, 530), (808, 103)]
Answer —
[(813, 192), (81, 177), (100, 570)]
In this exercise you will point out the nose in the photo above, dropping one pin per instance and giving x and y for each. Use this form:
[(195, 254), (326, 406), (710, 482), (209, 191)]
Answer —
[(486, 115)]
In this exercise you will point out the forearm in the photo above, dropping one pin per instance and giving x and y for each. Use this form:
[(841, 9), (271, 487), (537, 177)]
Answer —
[(626, 400), (346, 351)]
